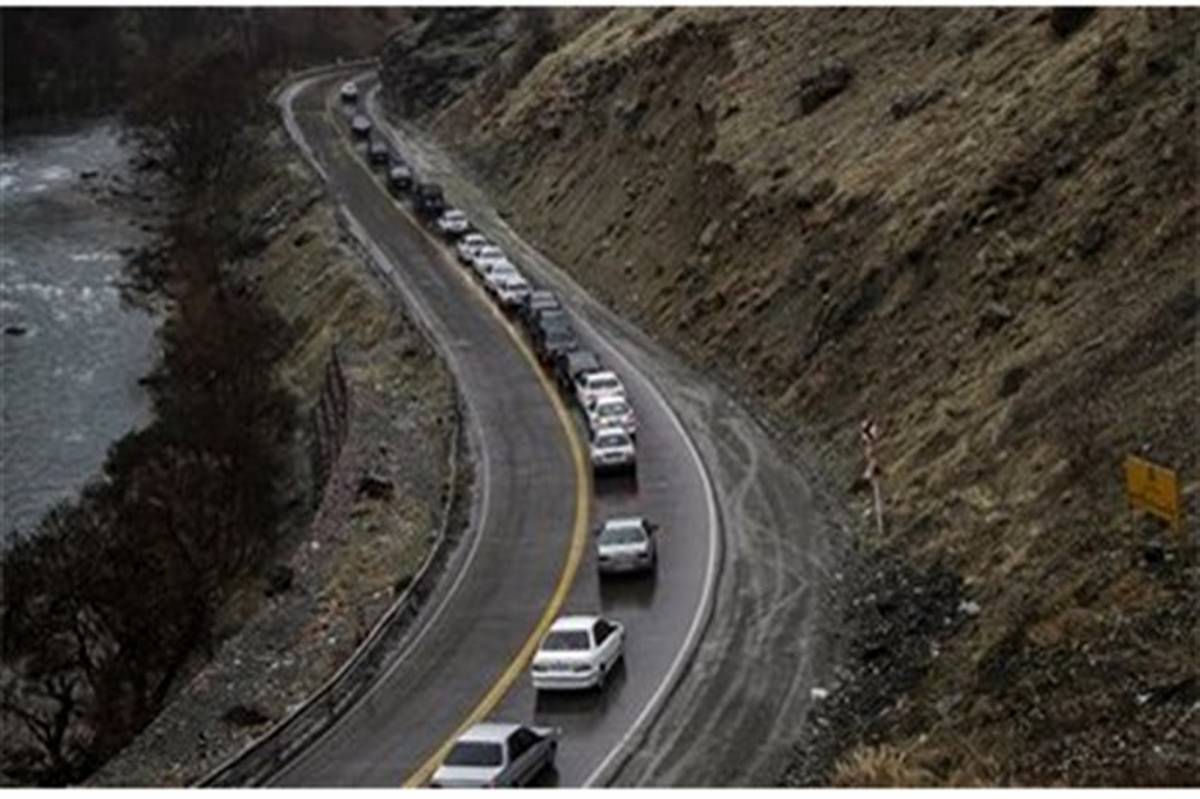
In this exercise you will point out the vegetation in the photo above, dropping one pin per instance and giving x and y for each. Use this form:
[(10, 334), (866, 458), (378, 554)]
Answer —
[(110, 598)]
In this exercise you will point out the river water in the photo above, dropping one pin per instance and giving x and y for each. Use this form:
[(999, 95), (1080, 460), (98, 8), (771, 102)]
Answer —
[(71, 350)]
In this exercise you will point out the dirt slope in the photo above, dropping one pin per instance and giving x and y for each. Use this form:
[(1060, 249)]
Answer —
[(978, 226)]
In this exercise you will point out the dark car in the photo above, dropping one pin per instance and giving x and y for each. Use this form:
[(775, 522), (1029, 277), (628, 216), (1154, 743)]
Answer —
[(400, 179), (536, 301), (361, 126), (569, 365), (555, 341), (378, 153), (429, 200)]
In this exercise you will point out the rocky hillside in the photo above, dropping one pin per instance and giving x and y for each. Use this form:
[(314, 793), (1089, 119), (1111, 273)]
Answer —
[(978, 227)]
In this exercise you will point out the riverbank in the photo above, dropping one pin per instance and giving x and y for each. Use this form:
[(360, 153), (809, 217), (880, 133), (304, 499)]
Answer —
[(288, 628)]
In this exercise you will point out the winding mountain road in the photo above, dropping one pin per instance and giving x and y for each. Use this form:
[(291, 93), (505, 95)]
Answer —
[(723, 647)]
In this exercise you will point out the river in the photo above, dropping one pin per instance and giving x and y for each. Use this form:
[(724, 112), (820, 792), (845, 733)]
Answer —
[(71, 350)]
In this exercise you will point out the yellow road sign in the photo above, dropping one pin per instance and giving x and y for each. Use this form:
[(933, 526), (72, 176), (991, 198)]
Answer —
[(1153, 488)]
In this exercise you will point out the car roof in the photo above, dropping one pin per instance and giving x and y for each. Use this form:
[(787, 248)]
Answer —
[(493, 731), (624, 521), (572, 623), (603, 375), (612, 399)]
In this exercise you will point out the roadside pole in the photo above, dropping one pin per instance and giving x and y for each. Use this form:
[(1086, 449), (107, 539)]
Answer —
[(869, 431)]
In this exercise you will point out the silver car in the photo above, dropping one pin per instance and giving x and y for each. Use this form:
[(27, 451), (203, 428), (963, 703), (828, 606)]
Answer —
[(612, 450), (497, 755), (626, 545)]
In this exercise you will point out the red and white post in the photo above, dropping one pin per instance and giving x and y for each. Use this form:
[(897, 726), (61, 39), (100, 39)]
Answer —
[(869, 431)]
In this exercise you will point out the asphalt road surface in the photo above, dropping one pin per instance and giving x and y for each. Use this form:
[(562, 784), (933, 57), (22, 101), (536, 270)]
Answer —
[(533, 498)]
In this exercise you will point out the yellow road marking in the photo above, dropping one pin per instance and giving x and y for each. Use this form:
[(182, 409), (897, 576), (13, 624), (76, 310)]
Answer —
[(583, 497)]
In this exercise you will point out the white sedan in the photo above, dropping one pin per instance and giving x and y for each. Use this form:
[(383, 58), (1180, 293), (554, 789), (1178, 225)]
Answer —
[(591, 386), (612, 411), (500, 273), (512, 292), (612, 450), (626, 545), (469, 246), (578, 653), (453, 223), (486, 256), (496, 755)]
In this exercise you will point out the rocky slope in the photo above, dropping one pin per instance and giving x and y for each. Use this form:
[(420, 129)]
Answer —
[(976, 226)]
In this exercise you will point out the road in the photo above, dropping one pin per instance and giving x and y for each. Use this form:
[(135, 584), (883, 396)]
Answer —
[(534, 506), (731, 717)]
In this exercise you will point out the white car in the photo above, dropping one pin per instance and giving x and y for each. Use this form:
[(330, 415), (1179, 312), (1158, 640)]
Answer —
[(349, 91), (626, 545), (487, 255), (500, 272), (612, 411), (578, 653), (591, 386), (361, 126), (513, 291), (497, 755), (469, 246), (453, 223), (612, 450)]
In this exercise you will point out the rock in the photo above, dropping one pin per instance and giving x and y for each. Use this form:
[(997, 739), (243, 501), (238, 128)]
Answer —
[(710, 234), (969, 608), (818, 694), (15, 330), (1012, 380), (994, 316), (304, 238), (375, 487), (88, 174), (822, 85), (245, 716), (1159, 65), (1093, 238), (1066, 20), (279, 579)]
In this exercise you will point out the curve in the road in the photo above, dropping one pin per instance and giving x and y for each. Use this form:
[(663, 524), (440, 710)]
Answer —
[(377, 741)]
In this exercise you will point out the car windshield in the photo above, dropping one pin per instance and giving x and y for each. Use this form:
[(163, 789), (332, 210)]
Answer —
[(603, 384), (623, 534), (475, 753), (559, 336), (612, 409), (566, 640), (612, 440)]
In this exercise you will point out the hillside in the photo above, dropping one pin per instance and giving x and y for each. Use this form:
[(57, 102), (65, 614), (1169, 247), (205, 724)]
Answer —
[(976, 226)]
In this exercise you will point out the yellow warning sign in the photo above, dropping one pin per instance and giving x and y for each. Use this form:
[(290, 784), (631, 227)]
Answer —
[(1153, 488)]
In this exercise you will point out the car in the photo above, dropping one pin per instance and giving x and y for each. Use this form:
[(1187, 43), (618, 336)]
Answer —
[(349, 92), (512, 292), (378, 152), (360, 126), (554, 342), (626, 545), (612, 450), (485, 257), (469, 245), (500, 272), (544, 326), (536, 301), (497, 755), (453, 223), (569, 366), (578, 653), (400, 179), (591, 386), (612, 411), (429, 200)]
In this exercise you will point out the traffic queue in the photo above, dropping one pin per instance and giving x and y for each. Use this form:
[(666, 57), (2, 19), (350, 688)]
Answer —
[(580, 651)]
